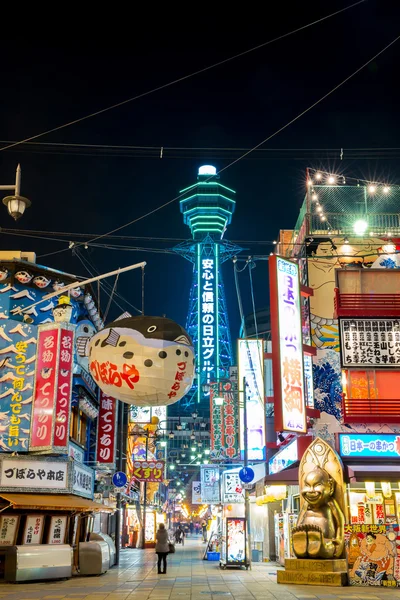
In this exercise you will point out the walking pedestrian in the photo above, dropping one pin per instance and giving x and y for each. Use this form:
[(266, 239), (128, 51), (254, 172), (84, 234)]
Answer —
[(162, 548), (204, 530)]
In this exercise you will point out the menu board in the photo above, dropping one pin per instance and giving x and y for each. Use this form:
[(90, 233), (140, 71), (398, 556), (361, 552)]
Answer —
[(235, 541), (33, 529), (58, 527), (8, 530)]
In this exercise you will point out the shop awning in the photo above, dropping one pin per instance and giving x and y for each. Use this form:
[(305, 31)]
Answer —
[(368, 472), (287, 476), (53, 502)]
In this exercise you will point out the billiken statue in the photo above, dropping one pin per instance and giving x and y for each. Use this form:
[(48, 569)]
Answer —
[(319, 533)]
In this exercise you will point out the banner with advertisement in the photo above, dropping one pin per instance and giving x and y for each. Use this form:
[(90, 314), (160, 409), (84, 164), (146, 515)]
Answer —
[(372, 555), (251, 367), (232, 488), (51, 407), (17, 356), (196, 492), (209, 475), (287, 345), (144, 470), (224, 420), (106, 431), (235, 541)]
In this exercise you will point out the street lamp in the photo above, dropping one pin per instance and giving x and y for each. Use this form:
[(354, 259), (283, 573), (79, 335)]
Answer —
[(192, 436), (171, 435), (194, 414), (16, 204)]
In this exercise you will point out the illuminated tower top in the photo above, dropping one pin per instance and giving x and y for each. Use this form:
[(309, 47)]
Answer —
[(207, 206)]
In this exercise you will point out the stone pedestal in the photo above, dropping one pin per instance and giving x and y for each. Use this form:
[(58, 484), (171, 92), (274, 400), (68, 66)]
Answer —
[(314, 572)]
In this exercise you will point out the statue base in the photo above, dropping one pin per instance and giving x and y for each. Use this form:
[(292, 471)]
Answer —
[(307, 571)]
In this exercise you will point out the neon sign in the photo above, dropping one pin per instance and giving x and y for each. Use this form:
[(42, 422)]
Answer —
[(382, 445), (208, 315), (287, 345), (251, 366)]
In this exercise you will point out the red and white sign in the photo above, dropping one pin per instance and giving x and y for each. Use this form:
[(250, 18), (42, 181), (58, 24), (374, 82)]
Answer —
[(33, 529), (53, 385), (287, 346), (106, 430), (64, 385), (58, 527)]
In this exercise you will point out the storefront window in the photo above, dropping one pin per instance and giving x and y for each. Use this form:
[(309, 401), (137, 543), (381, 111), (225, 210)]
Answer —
[(78, 426)]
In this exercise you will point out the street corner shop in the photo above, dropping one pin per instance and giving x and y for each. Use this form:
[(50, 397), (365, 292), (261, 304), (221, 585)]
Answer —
[(47, 509)]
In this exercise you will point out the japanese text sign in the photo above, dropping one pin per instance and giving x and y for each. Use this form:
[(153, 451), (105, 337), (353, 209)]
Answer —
[(370, 342), (251, 366), (225, 420), (8, 529), (208, 309), (284, 458), (382, 445), (18, 346), (287, 345), (106, 431), (27, 474), (144, 470), (209, 475), (232, 489), (196, 492), (83, 481), (33, 529), (57, 530), (53, 388)]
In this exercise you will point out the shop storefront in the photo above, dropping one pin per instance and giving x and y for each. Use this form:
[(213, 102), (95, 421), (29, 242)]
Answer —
[(45, 503), (372, 474)]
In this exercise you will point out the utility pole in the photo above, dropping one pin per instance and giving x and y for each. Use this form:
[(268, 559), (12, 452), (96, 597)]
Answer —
[(246, 464)]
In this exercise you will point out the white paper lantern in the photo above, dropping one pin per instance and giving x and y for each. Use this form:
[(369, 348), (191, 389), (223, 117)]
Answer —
[(145, 361)]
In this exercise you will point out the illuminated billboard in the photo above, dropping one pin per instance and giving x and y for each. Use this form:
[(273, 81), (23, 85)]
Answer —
[(251, 366), (287, 345)]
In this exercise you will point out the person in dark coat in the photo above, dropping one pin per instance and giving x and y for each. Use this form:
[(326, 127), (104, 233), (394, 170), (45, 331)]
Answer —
[(162, 548)]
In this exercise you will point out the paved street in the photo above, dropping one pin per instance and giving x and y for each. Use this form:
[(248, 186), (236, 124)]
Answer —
[(188, 576)]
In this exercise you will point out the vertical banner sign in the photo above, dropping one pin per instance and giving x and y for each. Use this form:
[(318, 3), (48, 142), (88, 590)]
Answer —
[(287, 345), (18, 347), (196, 492), (106, 431), (209, 475), (64, 389), (53, 388), (208, 316), (251, 366), (42, 425), (225, 420)]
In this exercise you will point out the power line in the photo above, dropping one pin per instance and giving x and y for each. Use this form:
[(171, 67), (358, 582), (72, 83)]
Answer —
[(185, 77), (249, 151)]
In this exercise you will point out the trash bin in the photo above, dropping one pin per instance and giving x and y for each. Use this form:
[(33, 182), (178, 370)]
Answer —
[(256, 555)]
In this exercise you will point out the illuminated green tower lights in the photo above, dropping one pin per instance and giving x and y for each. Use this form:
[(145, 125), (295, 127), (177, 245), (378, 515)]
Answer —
[(207, 207)]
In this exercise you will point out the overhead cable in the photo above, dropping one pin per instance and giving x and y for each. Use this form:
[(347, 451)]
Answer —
[(249, 151), (180, 79)]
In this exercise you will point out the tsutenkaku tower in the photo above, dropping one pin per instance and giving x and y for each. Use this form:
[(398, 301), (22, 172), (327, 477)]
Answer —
[(207, 207)]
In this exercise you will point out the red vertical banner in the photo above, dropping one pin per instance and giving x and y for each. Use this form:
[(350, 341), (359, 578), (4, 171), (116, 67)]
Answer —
[(106, 431), (45, 388), (51, 407), (64, 389)]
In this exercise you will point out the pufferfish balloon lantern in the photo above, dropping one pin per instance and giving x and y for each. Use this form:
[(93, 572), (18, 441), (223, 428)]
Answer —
[(145, 361)]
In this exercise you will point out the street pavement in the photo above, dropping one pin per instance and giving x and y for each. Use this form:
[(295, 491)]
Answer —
[(188, 577)]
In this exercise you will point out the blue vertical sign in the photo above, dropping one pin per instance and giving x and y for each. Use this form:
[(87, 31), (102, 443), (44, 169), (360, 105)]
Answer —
[(208, 317)]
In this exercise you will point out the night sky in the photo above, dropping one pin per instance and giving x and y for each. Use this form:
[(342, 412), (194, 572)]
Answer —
[(236, 105)]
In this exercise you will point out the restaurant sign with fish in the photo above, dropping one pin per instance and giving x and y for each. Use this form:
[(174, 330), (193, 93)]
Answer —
[(53, 388), (17, 368), (145, 361)]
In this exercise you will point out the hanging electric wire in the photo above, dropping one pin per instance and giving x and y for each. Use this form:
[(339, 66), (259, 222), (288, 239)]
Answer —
[(180, 79), (252, 266), (277, 132)]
